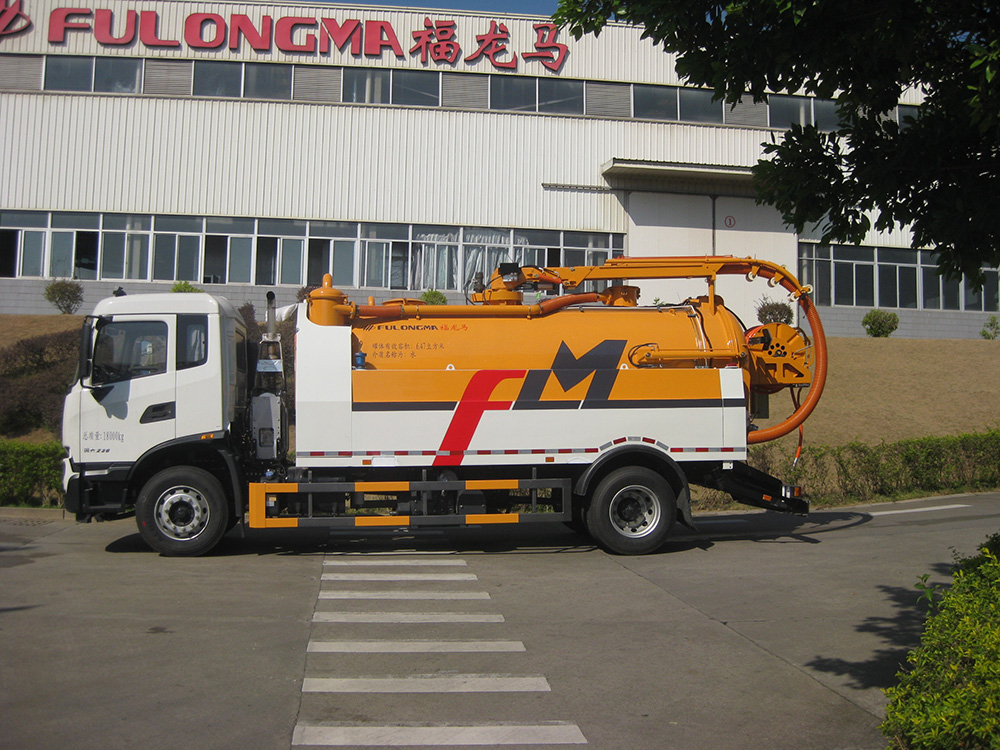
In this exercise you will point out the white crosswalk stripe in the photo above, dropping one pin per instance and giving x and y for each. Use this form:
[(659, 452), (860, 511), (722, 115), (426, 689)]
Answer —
[(406, 595), (407, 736), (456, 618), (414, 647)]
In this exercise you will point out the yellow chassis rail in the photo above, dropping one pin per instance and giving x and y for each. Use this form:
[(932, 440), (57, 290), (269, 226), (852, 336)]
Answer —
[(261, 492)]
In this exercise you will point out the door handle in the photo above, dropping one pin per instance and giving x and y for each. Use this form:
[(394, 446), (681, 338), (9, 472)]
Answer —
[(158, 412)]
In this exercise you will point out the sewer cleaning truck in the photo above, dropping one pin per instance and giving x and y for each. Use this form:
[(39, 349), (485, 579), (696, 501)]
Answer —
[(583, 408)]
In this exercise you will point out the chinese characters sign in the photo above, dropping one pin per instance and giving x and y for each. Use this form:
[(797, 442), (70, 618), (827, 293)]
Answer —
[(470, 42)]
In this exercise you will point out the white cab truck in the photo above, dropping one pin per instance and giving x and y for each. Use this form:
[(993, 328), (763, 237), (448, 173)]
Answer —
[(586, 408)]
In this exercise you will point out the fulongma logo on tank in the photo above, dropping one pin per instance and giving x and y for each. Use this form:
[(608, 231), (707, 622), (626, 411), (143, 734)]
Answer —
[(12, 18)]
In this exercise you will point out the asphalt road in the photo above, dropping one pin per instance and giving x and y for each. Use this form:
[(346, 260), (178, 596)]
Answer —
[(760, 631)]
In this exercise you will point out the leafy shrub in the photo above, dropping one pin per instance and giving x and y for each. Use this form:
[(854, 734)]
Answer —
[(950, 696), (434, 297), (769, 311), (34, 375), (30, 474), (991, 330), (66, 295), (185, 287), (880, 323), (303, 294)]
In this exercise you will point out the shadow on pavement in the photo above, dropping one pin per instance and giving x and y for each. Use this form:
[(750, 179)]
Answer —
[(900, 633), (542, 538)]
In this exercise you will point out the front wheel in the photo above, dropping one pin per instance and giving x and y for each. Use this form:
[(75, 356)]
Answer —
[(631, 511), (182, 511)]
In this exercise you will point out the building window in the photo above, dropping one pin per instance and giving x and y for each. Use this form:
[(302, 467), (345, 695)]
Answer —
[(113, 255), (21, 252), (557, 96), (213, 78), (366, 86), (317, 261), (74, 255), (8, 253), (513, 93), (219, 250), (267, 81), (654, 102), (416, 87), (117, 75), (825, 115), (69, 73), (176, 257), (889, 278), (216, 257), (785, 111), (266, 266), (436, 251), (240, 260), (291, 261), (907, 114), (697, 105)]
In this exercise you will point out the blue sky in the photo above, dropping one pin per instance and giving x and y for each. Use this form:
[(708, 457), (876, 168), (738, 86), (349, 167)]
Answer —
[(535, 8)]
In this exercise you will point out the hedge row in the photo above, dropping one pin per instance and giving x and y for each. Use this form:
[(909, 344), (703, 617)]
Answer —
[(837, 474), (950, 696), (30, 474), (34, 376), (858, 472)]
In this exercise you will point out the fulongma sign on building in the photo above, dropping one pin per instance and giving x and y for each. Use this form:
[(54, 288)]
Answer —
[(450, 43)]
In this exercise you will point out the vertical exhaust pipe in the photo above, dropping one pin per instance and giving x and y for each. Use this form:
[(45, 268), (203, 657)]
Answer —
[(271, 314)]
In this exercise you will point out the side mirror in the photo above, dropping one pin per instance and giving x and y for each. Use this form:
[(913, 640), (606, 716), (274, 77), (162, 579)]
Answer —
[(85, 364), (86, 349)]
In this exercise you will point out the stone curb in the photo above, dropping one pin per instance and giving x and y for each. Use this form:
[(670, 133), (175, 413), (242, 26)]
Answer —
[(38, 514)]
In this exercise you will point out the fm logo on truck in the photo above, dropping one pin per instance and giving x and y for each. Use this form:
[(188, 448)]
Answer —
[(567, 368), (12, 18)]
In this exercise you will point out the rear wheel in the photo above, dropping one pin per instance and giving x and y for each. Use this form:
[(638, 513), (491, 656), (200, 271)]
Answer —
[(182, 511), (631, 511)]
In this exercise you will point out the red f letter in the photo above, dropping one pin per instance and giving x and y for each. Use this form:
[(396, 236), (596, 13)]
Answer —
[(475, 401)]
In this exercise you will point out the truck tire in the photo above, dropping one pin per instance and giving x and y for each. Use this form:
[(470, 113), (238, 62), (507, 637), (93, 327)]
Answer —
[(631, 511), (182, 512)]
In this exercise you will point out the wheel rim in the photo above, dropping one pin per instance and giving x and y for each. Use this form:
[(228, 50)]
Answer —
[(181, 513), (634, 511)]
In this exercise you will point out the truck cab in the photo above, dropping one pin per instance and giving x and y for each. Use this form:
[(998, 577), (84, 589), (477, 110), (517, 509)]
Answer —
[(153, 388)]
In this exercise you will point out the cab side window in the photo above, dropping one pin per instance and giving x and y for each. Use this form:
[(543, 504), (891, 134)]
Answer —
[(128, 350), (192, 341)]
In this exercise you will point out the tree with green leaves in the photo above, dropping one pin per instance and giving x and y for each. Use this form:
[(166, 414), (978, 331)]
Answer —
[(937, 173)]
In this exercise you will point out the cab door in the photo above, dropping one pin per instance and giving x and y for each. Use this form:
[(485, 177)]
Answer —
[(132, 402)]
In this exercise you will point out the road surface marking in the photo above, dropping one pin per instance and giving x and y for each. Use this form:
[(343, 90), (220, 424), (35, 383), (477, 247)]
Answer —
[(428, 683), (389, 552), (404, 736), (399, 576), (916, 510), (409, 595), (388, 561), (413, 647), (402, 618)]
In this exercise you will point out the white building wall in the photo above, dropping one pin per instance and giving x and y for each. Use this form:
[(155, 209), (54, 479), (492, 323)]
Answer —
[(677, 224), (350, 162)]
